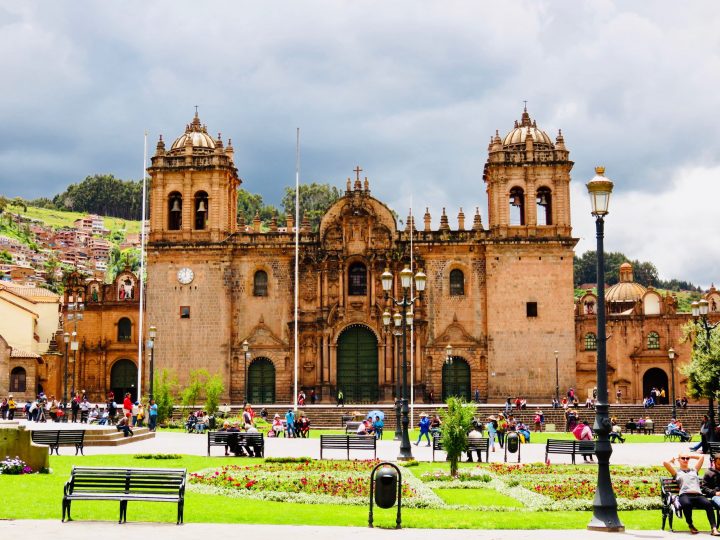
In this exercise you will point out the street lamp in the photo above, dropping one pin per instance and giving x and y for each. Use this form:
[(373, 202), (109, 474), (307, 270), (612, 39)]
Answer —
[(405, 319), (605, 516), (246, 354), (671, 356), (152, 334), (66, 339), (396, 331), (75, 310), (557, 380), (700, 315), (74, 344), (448, 355)]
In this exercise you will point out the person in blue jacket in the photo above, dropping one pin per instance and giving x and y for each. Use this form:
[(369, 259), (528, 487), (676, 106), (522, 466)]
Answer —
[(424, 429)]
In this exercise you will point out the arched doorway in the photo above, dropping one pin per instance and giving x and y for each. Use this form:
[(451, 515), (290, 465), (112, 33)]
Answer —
[(123, 378), (456, 379), (261, 381), (357, 365), (657, 378)]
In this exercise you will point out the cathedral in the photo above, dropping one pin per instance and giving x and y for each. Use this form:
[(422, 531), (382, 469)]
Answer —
[(499, 293), (497, 317)]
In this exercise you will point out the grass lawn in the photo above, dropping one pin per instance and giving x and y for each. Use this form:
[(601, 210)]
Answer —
[(45, 492), (476, 497)]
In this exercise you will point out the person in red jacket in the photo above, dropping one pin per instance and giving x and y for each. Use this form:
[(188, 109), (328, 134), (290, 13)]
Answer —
[(127, 405)]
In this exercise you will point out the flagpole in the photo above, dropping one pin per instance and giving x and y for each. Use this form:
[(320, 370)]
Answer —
[(142, 274), (297, 267), (412, 328)]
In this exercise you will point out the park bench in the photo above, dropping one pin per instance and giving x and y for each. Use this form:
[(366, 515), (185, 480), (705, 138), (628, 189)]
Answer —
[(54, 438), (478, 444), (347, 443), (713, 448), (351, 427), (237, 438), (668, 488), (572, 448), (673, 437), (124, 485)]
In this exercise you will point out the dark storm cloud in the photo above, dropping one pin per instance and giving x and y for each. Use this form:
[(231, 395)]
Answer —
[(411, 91)]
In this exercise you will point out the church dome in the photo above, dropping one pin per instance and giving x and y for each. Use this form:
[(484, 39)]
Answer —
[(522, 129), (197, 134), (626, 290)]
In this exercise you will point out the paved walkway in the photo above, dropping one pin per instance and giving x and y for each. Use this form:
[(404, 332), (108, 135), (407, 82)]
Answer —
[(192, 531), (196, 444)]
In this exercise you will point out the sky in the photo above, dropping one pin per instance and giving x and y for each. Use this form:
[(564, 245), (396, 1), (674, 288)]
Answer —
[(409, 90)]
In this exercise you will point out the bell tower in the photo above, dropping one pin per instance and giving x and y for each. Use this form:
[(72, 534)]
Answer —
[(193, 193), (528, 182)]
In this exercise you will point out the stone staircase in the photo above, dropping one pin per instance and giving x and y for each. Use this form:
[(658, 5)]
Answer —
[(112, 437), (330, 416)]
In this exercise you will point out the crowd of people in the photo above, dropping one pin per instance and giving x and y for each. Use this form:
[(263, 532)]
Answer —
[(79, 409)]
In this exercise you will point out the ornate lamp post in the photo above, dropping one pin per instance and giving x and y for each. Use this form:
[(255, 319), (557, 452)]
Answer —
[(557, 379), (671, 356), (75, 310), (74, 345), (396, 332), (700, 314), (605, 516), (152, 334), (246, 354), (406, 319), (66, 339)]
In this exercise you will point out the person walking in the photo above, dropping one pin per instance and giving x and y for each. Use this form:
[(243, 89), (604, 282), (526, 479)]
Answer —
[(290, 423), (340, 399), (491, 427), (690, 493), (153, 414), (424, 429)]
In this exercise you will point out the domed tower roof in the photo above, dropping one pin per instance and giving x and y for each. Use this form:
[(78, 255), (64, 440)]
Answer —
[(522, 129), (626, 290), (195, 134)]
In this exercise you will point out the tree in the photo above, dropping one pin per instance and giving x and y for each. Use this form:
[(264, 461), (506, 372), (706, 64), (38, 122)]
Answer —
[(105, 195), (703, 370), (457, 421), (165, 389), (315, 200), (118, 261), (214, 388), (192, 392), (6, 257), (251, 204)]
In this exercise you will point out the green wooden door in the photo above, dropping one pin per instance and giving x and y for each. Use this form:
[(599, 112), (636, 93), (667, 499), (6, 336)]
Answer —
[(456, 379), (123, 378), (261, 381), (357, 365)]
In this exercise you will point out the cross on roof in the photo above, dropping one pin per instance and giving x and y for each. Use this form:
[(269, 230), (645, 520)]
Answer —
[(357, 170)]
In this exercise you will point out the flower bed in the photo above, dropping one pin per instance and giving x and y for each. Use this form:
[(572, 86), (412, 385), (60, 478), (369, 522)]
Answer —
[(326, 481), (14, 466)]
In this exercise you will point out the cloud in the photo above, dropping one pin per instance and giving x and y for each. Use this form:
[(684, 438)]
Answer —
[(410, 90)]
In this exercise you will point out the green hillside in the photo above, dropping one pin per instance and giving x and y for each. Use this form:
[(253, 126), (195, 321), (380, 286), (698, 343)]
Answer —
[(59, 218)]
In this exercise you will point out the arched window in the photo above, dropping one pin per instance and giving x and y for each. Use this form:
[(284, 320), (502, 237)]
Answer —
[(124, 329), (544, 206), (201, 210), (357, 280), (517, 206), (590, 342), (175, 211), (457, 283), (18, 380), (653, 340), (260, 283)]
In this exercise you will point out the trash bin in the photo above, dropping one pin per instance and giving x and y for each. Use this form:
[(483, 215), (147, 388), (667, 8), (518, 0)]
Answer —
[(211, 422), (386, 485)]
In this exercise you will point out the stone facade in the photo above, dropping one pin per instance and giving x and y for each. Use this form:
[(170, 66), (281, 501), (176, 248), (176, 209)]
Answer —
[(642, 326), (501, 295), (106, 358)]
